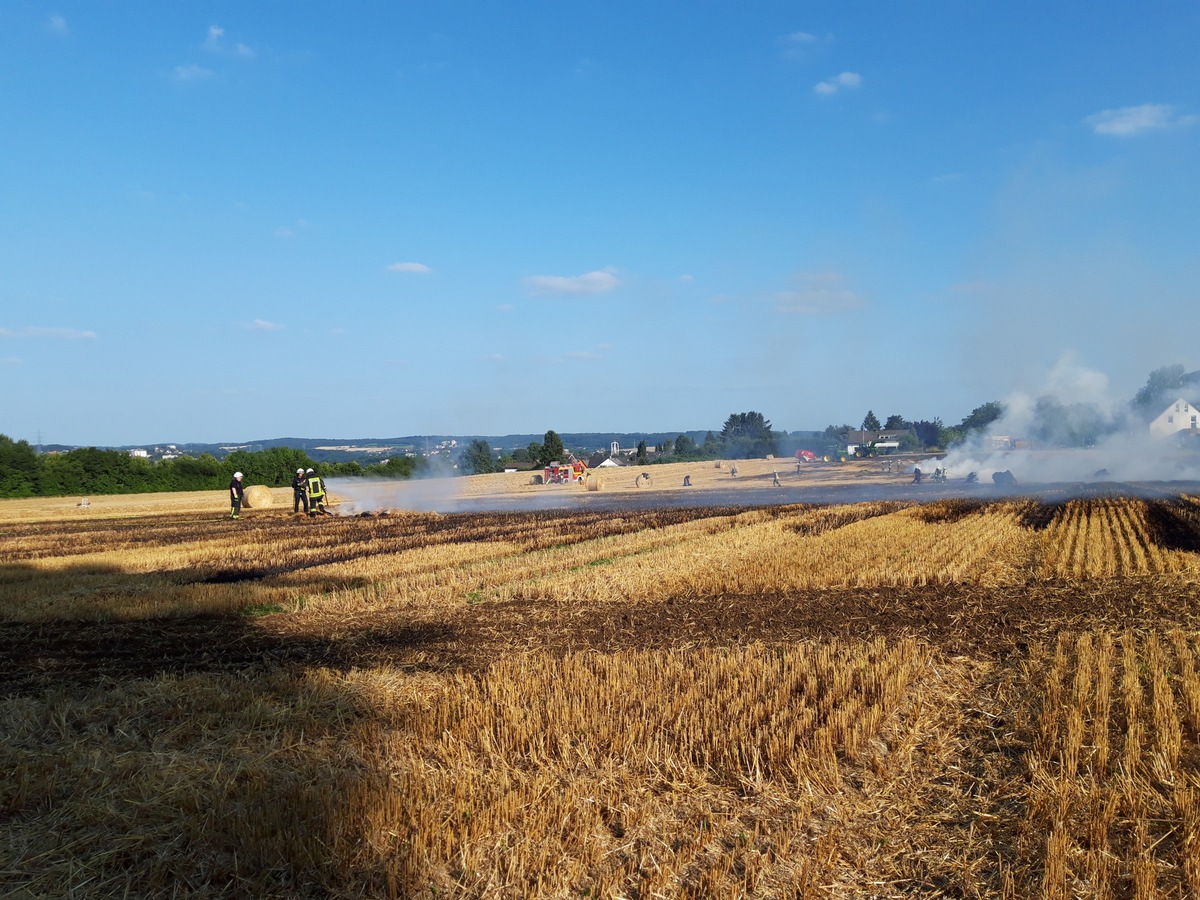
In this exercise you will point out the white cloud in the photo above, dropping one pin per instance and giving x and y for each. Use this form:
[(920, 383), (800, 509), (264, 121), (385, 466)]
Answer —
[(57, 24), (505, 308), (215, 43), (285, 232), (598, 282), (191, 73), (832, 85), (818, 293), (264, 325), (59, 334), (10, 361), (414, 268), (1130, 120), (801, 45)]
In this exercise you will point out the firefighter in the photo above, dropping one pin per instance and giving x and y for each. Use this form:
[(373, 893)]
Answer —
[(315, 489), (916, 475), (237, 493), (299, 491)]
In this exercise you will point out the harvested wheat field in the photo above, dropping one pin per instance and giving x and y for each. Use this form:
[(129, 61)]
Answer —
[(990, 696)]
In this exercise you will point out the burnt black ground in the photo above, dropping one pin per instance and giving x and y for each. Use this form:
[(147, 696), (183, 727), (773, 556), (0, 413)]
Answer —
[(957, 618)]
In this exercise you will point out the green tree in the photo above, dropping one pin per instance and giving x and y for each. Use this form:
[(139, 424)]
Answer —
[(552, 449), (61, 474), (685, 447), (895, 423), (476, 459), (641, 456), (399, 467), (1058, 424), (1162, 386), (200, 473), (834, 439), (274, 467), (949, 437), (928, 433), (982, 416), (18, 468), (871, 421), (747, 435)]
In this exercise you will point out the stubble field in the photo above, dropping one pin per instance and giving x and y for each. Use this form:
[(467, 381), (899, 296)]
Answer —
[(969, 697)]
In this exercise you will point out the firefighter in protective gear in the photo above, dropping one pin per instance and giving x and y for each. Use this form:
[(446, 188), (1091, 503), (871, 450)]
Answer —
[(299, 491), (237, 494), (316, 492)]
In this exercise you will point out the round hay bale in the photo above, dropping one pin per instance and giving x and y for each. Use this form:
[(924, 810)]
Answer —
[(258, 496), (594, 483)]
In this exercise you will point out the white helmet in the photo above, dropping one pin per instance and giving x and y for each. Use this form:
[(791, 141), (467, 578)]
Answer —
[(308, 472), (300, 471), (237, 474)]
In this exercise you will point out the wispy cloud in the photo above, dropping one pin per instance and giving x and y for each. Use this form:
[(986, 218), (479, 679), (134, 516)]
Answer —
[(1131, 120), (844, 81), (800, 45), (191, 73), (264, 325), (598, 282), (412, 268), (818, 293), (285, 232), (56, 334), (802, 38), (57, 24), (215, 43), (10, 361)]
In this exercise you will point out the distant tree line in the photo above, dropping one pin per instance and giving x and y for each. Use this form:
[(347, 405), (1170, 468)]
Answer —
[(914, 436), (1054, 423), (86, 471)]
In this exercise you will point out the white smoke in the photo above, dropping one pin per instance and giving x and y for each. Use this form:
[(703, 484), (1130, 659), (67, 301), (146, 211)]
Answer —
[(369, 495), (1125, 451)]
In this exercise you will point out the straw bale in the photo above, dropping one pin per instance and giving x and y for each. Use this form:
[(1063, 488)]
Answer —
[(258, 496)]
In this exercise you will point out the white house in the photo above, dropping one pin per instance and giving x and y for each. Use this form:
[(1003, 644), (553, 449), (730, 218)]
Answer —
[(1179, 416)]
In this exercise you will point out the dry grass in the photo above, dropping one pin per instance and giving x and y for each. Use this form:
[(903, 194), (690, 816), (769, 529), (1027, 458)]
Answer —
[(870, 765)]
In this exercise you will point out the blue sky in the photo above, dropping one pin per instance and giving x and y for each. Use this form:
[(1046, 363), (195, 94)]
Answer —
[(235, 221)]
